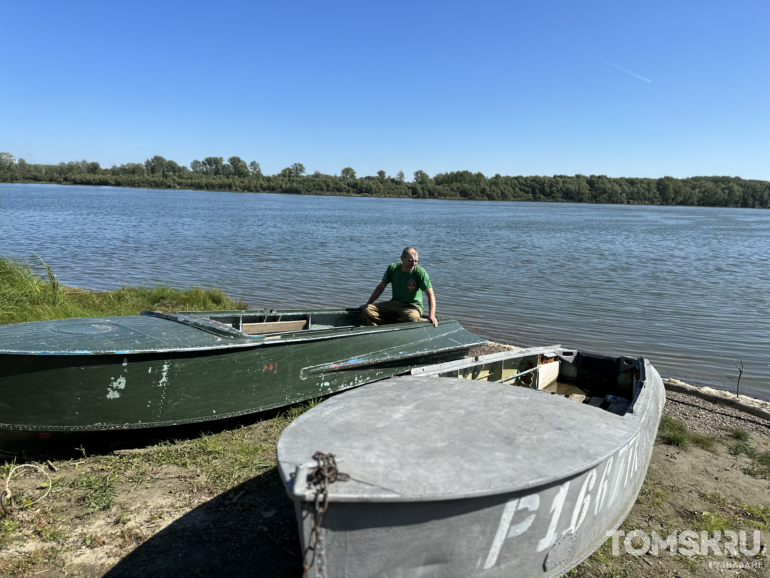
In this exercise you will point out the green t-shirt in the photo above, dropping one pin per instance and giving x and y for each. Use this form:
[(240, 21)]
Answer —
[(407, 287)]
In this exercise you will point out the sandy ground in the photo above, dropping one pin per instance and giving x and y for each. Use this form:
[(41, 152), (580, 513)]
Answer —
[(690, 489), (198, 507)]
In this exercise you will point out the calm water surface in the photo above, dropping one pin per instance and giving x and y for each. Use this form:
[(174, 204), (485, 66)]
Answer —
[(687, 287)]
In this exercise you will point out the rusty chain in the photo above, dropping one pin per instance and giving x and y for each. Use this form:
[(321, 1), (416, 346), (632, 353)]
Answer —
[(325, 473)]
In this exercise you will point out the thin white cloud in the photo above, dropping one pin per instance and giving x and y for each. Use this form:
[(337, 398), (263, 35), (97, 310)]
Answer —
[(600, 59)]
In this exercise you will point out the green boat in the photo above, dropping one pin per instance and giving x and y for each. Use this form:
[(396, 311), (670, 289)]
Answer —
[(161, 370)]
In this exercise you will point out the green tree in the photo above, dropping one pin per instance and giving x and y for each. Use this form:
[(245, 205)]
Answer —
[(254, 169), (400, 176), (382, 175), (287, 172), (172, 168), (196, 167), (6, 160), (348, 174), (213, 165), (297, 169), (239, 167), (421, 178), (156, 165)]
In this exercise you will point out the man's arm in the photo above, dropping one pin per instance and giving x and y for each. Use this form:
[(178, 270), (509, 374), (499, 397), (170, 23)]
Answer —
[(432, 308), (377, 292)]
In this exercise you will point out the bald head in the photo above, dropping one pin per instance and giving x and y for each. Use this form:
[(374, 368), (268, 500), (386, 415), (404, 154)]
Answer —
[(408, 259)]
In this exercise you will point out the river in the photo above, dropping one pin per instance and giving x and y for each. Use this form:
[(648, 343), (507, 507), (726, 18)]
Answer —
[(687, 287)]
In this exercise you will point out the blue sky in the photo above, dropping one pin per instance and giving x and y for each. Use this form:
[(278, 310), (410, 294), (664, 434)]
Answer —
[(641, 89)]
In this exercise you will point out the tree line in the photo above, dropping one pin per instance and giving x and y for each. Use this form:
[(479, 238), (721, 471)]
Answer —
[(235, 174)]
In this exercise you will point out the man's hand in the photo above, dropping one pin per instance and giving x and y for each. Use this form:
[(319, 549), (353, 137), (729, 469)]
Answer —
[(433, 319)]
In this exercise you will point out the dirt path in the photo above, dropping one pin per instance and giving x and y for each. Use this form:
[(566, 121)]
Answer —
[(213, 505)]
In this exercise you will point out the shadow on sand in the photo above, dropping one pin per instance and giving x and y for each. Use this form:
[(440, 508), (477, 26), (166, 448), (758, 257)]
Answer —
[(250, 530)]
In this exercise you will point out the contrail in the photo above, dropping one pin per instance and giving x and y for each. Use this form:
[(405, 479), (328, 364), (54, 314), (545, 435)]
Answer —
[(599, 58)]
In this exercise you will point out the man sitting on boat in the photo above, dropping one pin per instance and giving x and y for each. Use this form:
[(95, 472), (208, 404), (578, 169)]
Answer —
[(409, 282)]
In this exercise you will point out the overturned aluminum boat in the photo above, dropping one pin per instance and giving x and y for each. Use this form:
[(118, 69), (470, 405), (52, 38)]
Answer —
[(453, 477), (158, 370)]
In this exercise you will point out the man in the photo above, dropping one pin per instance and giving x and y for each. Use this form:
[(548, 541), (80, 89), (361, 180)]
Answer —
[(409, 282)]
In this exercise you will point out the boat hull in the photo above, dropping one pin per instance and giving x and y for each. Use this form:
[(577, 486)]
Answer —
[(542, 530), (54, 394)]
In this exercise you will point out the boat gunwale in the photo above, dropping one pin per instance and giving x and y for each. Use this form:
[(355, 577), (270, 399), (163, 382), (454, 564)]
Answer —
[(633, 424), (248, 341)]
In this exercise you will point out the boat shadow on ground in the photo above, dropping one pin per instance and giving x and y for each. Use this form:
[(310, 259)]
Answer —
[(250, 530)]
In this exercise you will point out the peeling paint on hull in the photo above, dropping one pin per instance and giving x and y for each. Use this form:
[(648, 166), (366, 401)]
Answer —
[(97, 392)]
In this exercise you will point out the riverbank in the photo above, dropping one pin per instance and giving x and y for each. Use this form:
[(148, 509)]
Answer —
[(209, 502), (212, 503), (460, 185), (35, 294)]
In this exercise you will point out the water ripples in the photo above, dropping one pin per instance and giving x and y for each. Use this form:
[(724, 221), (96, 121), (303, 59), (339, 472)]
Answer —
[(684, 286)]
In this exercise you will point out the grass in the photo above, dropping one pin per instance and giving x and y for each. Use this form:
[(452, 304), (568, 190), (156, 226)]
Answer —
[(674, 432), (714, 498), (8, 526), (738, 434), (22, 565), (652, 496), (759, 514), (712, 523), (760, 461), (760, 467), (173, 476), (51, 534), (742, 448), (101, 489), (93, 541), (739, 514), (34, 293)]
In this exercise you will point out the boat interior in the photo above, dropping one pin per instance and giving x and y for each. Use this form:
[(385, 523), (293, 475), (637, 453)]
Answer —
[(608, 383), (270, 321)]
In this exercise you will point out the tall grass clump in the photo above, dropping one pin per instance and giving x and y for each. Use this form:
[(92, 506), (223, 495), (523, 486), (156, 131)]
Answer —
[(26, 295), (673, 432)]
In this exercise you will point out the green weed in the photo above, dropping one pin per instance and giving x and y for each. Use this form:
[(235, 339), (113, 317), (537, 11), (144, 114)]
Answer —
[(758, 513), (738, 434), (673, 432), (93, 541), (712, 523), (652, 496), (702, 441), (8, 526), (23, 564), (50, 534), (122, 519), (101, 489), (741, 447), (715, 498)]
